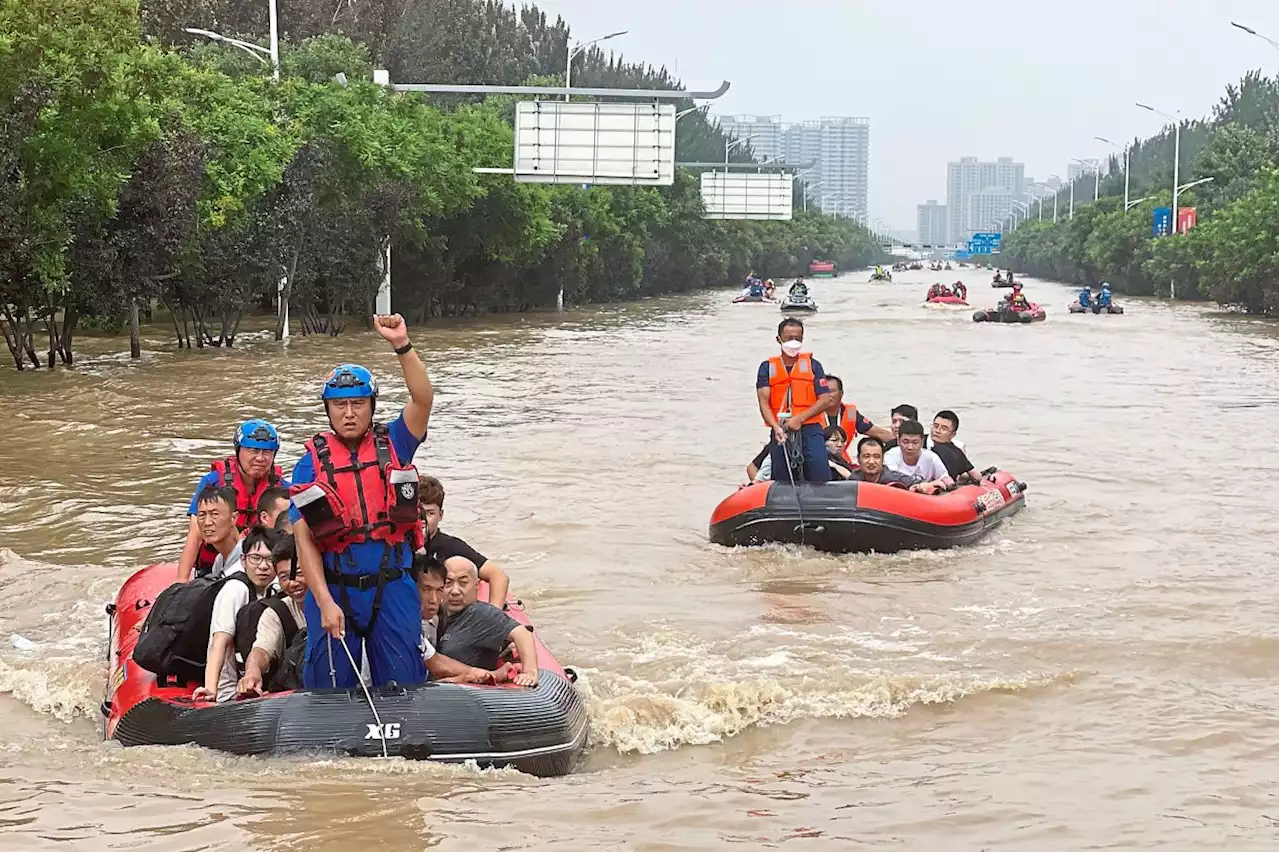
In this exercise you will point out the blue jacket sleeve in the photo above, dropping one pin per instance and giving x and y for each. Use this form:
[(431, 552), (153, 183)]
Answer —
[(404, 441), (304, 472)]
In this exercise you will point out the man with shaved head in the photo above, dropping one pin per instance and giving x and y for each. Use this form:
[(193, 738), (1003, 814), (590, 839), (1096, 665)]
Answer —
[(475, 632)]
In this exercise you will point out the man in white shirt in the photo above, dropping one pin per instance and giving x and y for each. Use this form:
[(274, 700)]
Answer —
[(220, 672), (268, 644), (912, 459)]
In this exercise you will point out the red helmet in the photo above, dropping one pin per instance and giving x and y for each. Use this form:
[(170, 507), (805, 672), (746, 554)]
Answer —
[(1017, 288)]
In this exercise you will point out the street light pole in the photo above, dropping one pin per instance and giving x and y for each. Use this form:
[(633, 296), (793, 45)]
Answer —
[(1177, 138), (1177, 135), (1252, 32), (1126, 167), (805, 193), (274, 40), (568, 63)]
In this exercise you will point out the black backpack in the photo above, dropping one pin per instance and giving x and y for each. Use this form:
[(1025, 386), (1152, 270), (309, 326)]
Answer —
[(247, 628), (287, 673), (175, 636)]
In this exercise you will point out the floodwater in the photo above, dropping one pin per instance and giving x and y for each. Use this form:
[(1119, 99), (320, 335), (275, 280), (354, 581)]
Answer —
[(1099, 673)]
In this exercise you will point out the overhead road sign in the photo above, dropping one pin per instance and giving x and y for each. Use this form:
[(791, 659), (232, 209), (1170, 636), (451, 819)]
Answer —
[(597, 143), (764, 195), (635, 94)]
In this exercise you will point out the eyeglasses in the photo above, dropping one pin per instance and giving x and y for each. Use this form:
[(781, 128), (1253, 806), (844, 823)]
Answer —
[(256, 560)]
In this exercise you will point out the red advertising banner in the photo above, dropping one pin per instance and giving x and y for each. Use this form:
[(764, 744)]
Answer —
[(1186, 219)]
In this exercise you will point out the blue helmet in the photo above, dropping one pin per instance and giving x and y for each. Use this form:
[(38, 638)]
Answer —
[(350, 381), (257, 435)]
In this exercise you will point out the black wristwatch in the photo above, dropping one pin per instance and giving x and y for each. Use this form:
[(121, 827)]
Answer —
[(404, 349)]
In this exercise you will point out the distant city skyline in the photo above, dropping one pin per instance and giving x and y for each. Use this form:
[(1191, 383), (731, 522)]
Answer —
[(939, 79), (838, 147)]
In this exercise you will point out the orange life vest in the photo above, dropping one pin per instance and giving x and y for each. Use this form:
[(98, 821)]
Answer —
[(358, 495), (793, 390), (849, 423), (246, 501)]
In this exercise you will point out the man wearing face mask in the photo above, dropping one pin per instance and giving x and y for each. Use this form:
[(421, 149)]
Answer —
[(793, 395)]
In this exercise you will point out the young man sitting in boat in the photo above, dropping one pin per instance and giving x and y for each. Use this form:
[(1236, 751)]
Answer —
[(273, 627), (945, 425), (912, 459), (441, 546), (871, 466), (273, 509), (216, 519), (475, 633), (221, 675)]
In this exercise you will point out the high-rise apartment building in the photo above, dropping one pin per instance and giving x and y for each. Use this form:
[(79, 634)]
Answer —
[(997, 182), (931, 223), (838, 148), (768, 133)]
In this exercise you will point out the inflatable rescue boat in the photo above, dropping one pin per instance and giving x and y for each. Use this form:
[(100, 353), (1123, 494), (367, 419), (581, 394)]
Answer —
[(1031, 313), (541, 731), (860, 517), (1077, 308)]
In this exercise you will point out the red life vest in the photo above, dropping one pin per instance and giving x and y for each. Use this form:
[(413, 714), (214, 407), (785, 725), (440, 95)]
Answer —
[(246, 501), (358, 495)]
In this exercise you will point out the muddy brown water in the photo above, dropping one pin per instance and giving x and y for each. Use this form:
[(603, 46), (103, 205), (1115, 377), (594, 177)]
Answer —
[(1099, 673)]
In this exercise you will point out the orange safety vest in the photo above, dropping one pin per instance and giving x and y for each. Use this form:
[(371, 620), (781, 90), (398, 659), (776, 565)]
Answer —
[(792, 390), (849, 423)]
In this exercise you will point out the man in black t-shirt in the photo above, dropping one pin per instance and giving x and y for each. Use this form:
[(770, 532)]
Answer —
[(442, 546), (945, 425)]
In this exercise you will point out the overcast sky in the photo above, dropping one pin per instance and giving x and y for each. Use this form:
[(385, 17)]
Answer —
[(940, 79)]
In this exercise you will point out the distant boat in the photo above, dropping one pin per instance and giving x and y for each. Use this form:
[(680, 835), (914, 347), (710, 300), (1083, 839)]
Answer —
[(822, 269)]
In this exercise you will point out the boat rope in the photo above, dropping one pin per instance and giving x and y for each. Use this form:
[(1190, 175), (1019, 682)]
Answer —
[(382, 732), (792, 448)]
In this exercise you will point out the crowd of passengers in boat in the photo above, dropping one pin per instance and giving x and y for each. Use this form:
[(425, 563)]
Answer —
[(815, 435), (346, 551)]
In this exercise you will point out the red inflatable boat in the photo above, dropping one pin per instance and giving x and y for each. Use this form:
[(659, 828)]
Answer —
[(946, 300), (542, 731), (858, 517)]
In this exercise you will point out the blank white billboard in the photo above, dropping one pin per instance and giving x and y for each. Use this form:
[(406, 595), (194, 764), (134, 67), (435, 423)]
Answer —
[(746, 195), (605, 143)]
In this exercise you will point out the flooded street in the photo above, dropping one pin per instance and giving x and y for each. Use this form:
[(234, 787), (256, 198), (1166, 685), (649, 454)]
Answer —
[(1100, 673)]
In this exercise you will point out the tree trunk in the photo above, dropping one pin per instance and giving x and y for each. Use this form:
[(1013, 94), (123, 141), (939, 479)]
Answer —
[(70, 318), (135, 334), (12, 341), (28, 332)]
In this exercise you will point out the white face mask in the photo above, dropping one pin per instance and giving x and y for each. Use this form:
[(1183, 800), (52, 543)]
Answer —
[(792, 348)]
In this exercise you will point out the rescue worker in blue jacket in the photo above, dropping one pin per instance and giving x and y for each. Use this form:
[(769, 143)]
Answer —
[(1086, 297), (1104, 297), (354, 511)]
